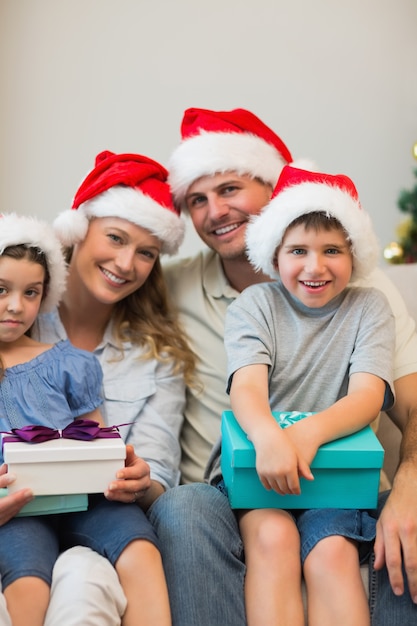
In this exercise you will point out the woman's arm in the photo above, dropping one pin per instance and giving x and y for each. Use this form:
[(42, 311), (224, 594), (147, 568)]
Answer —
[(156, 411), (156, 430)]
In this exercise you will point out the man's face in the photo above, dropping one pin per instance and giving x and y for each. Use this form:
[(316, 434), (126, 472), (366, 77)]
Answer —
[(220, 207)]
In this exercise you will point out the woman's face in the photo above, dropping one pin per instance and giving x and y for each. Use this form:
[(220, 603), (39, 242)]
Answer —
[(115, 258)]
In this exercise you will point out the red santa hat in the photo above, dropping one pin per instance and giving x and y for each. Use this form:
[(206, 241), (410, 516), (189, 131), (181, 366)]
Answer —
[(129, 186), (214, 142), (18, 230), (299, 192)]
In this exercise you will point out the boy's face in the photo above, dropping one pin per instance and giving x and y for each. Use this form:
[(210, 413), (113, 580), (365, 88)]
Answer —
[(220, 207), (314, 265)]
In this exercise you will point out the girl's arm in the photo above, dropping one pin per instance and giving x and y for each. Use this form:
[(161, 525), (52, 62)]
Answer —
[(278, 462), (11, 504), (96, 416)]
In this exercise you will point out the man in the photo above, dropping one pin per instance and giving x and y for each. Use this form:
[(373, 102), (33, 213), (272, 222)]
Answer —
[(223, 172)]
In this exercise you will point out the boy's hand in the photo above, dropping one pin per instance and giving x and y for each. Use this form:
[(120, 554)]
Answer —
[(279, 464)]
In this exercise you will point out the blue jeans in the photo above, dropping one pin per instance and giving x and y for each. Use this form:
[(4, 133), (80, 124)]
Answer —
[(202, 554), (202, 550), (29, 546), (386, 608)]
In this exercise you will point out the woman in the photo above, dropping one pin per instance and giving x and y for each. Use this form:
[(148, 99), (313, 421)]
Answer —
[(116, 306)]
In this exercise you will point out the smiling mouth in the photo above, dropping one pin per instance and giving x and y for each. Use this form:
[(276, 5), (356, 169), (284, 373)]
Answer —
[(314, 283), (113, 277), (226, 229)]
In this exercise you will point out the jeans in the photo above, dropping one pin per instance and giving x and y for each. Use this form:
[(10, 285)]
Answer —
[(202, 554), (29, 546), (204, 562), (386, 608)]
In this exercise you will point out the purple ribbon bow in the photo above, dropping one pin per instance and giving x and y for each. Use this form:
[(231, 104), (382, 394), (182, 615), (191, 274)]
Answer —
[(81, 429)]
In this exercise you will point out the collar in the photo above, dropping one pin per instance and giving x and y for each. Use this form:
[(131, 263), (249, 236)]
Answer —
[(214, 279)]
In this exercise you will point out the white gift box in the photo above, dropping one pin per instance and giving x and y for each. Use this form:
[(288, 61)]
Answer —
[(64, 466)]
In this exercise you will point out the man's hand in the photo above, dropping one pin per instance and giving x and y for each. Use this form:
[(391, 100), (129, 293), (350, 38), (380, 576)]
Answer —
[(396, 537)]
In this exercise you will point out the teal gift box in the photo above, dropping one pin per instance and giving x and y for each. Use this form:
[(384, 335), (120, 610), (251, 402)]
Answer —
[(346, 471), (49, 505)]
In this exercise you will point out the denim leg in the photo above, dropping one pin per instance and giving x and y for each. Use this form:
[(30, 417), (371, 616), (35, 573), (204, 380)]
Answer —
[(203, 556), (386, 608)]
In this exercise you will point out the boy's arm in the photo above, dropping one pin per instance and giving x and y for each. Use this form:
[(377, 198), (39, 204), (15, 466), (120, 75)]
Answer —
[(354, 411), (278, 462), (396, 538)]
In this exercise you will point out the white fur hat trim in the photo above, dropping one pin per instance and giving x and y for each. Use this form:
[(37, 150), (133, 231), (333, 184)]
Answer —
[(210, 153), (126, 203), (265, 232), (21, 230)]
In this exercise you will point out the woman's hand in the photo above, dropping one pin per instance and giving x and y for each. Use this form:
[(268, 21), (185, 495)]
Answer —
[(11, 504), (133, 483)]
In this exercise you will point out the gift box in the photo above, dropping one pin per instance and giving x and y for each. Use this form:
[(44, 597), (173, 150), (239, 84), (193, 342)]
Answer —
[(48, 505), (64, 466), (346, 471)]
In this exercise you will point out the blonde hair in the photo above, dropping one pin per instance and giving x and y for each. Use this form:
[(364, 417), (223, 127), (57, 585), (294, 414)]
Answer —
[(148, 318)]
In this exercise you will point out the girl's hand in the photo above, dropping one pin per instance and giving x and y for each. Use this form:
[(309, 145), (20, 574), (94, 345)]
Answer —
[(10, 505), (279, 464), (132, 482)]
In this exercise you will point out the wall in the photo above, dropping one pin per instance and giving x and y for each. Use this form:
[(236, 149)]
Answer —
[(337, 80)]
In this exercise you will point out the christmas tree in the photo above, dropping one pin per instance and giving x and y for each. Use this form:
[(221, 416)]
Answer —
[(405, 249)]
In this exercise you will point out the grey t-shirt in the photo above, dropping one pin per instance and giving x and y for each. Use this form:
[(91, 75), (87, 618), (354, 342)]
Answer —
[(310, 352)]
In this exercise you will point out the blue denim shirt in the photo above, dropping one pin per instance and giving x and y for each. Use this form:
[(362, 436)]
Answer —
[(142, 392)]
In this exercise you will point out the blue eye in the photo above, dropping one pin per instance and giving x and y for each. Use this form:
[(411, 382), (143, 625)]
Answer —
[(115, 238)]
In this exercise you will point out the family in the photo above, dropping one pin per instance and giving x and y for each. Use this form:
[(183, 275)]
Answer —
[(286, 291)]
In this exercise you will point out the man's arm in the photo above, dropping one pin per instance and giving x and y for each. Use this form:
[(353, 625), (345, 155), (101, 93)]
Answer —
[(396, 539)]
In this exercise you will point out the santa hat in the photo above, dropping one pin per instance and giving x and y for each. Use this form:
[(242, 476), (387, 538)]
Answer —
[(18, 230), (299, 192), (214, 142), (129, 186)]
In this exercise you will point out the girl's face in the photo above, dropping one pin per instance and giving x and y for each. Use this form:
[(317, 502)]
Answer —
[(21, 291), (314, 265), (115, 258)]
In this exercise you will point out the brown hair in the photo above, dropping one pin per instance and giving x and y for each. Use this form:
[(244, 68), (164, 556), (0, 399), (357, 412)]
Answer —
[(318, 220)]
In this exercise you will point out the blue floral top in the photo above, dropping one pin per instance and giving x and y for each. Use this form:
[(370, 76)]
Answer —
[(52, 389)]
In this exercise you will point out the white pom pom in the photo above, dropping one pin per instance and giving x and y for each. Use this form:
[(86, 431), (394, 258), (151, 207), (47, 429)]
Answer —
[(71, 227), (305, 164)]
